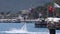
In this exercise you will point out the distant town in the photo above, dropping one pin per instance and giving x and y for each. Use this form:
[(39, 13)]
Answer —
[(47, 10)]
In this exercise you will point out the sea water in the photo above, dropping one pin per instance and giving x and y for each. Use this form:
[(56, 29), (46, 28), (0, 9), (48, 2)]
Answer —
[(17, 26)]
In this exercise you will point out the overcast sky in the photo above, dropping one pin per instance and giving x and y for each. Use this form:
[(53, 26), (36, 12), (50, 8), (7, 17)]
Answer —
[(16, 5)]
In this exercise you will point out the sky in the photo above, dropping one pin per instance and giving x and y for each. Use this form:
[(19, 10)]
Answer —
[(16, 5)]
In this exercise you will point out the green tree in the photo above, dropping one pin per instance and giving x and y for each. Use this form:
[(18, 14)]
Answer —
[(57, 9), (2, 13), (57, 1), (8, 12)]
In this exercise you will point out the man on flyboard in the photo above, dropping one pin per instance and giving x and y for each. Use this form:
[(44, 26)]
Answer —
[(52, 22)]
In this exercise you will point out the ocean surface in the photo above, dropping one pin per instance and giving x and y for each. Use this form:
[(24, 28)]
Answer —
[(16, 27)]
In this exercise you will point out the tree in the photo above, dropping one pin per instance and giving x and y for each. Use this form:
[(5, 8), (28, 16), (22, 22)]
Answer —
[(19, 12), (39, 8), (2, 13), (57, 1), (8, 12), (58, 9)]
